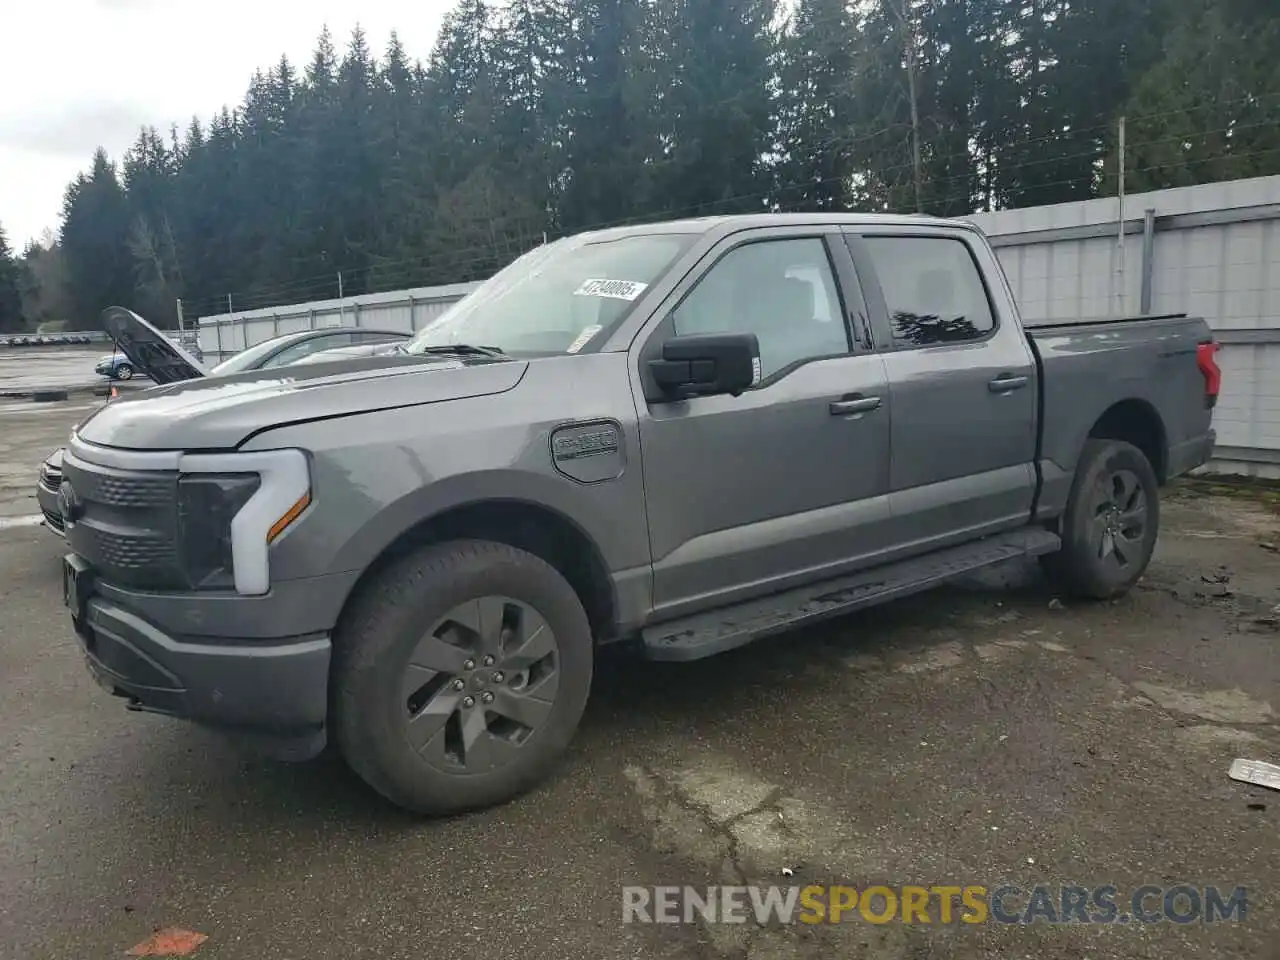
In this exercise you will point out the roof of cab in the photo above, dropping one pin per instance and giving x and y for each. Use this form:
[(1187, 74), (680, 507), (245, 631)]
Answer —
[(749, 221)]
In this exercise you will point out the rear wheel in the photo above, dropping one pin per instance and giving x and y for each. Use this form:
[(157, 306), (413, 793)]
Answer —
[(1111, 522), (460, 676), (124, 372)]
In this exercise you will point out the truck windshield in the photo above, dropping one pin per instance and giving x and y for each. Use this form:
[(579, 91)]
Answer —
[(557, 298)]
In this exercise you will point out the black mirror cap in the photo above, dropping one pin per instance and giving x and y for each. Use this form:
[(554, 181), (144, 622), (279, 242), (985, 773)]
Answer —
[(707, 365)]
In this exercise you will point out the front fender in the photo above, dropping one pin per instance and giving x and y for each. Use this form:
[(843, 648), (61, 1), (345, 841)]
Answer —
[(417, 506)]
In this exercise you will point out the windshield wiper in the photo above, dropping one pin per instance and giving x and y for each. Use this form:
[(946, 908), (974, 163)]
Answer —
[(464, 350)]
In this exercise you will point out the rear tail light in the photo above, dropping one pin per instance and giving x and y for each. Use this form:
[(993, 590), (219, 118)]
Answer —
[(1207, 361)]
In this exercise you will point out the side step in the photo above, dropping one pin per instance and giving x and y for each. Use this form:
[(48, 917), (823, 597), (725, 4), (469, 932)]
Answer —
[(715, 631)]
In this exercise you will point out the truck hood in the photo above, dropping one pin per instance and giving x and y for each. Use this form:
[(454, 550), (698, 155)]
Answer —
[(152, 353), (219, 413)]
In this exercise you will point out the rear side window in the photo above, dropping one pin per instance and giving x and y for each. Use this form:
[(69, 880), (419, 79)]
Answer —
[(933, 290)]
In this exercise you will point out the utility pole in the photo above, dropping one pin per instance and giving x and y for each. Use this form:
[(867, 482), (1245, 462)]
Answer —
[(1120, 228), (909, 52), (342, 307)]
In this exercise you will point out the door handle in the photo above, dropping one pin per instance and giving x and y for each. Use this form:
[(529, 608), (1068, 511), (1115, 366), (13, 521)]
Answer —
[(842, 408), (1005, 383)]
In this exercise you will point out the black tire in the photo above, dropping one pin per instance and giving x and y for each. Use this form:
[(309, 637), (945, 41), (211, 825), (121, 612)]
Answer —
[(1083, 567), (385, 625), (124, 372)]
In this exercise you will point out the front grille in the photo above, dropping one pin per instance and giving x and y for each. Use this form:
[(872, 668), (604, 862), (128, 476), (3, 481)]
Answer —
[(125, 550), (127, 522), (128, 490), (53, 520)]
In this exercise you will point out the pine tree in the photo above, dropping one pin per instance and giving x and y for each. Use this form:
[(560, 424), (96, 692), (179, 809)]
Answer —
[(95, 234), (815, 115), (534, 118), (10, 298), (1209, 107), (721, 105)]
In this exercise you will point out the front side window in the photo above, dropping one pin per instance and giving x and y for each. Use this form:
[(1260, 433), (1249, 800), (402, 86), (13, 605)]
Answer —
[(559, 298), (783, 291), (933, 290)]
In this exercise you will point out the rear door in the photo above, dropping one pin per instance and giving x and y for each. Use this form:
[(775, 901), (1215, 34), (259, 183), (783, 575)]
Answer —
[(786, 483), (962, 386)]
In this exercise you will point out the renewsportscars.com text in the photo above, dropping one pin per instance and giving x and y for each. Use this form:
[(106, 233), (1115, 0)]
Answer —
[(940, 904)]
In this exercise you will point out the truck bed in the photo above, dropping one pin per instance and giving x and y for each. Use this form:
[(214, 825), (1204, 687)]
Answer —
[(1151, 359)]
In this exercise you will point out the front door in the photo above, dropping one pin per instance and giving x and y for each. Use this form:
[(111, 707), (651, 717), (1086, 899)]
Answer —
[(788, 482)]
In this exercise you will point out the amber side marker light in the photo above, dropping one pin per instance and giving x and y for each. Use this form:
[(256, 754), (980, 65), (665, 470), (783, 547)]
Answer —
[(289, 516)]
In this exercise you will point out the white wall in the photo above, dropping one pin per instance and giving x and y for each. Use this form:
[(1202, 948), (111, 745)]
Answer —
[(222, 335), (1214, 252)]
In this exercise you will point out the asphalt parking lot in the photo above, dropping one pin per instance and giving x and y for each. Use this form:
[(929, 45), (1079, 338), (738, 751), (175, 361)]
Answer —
[(983, 735), (49, 368)]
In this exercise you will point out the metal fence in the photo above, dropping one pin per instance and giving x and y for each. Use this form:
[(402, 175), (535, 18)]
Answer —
[(222, 335)]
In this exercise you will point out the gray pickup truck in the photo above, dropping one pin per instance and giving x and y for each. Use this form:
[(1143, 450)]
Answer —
[(681, 436)]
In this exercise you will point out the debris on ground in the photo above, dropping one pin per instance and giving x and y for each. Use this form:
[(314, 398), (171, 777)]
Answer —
[(1256, 772), (169, 942)]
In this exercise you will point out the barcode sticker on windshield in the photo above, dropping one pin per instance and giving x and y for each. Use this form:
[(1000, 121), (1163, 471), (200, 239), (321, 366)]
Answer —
[(583, 338), (613, 289)]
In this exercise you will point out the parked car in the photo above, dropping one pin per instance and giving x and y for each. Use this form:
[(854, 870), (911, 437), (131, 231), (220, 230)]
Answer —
[(681, 436), (115, 366), (145, 353), (293, 348), (47, 487)]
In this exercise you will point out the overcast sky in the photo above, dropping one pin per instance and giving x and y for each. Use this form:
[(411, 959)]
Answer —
[(78, 74)]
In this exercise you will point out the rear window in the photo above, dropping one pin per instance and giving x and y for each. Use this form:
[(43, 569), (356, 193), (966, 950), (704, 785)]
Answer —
[(933, 289)]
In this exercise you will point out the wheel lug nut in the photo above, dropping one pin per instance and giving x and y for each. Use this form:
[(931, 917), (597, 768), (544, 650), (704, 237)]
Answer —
[(487, 697), (468, 702), (458, 684), (488, 661), (498, 677), (469, 665)]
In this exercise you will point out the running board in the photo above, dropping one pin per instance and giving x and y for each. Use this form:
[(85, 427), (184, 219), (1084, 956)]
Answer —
[(715, 631)]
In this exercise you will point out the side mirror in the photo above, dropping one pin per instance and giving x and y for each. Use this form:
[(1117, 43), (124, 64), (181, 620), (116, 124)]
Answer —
[(707, 365)]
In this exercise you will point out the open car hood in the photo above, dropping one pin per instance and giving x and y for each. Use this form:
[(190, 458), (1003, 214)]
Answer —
[(152, 353)]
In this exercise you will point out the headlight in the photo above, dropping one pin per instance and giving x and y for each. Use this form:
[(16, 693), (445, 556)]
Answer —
[(231, 508), (206, 506)]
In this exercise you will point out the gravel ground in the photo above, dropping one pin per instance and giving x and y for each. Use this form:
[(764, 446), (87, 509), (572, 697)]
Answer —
[(980, 735)]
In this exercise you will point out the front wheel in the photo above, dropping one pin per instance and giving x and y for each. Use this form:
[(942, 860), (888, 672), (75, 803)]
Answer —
[(1111, 522), (124, 372), (460, 676)]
